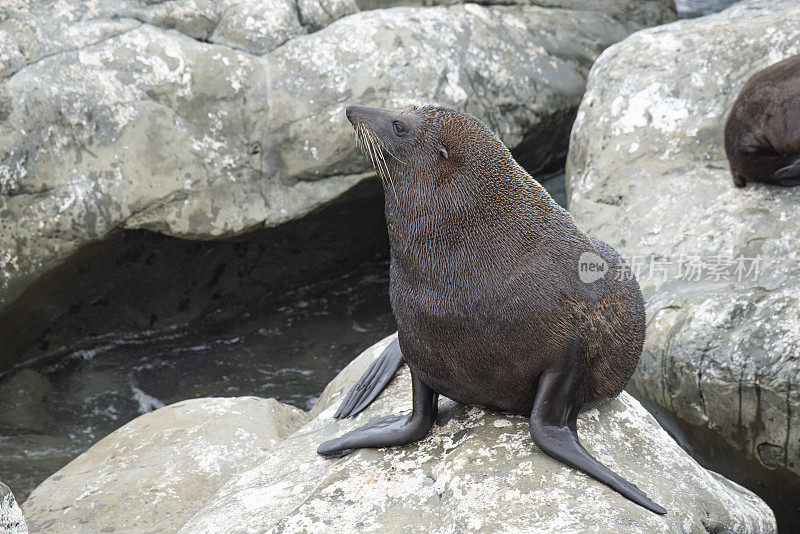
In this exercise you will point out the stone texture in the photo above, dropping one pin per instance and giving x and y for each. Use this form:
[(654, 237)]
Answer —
[(647, 173), (477, 471), (152, 474), (204, 119), (11, 519)]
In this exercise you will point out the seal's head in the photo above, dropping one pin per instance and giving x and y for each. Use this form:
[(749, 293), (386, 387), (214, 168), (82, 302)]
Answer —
[(762, 131), (426, 145)]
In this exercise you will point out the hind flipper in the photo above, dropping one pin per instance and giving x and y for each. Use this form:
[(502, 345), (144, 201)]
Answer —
[(789, 175), (554, 430), (372, 382)]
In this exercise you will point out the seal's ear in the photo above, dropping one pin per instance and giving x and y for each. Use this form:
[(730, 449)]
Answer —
[(443, 152)]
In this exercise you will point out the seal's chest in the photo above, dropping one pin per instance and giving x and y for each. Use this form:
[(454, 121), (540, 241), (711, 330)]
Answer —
[(465, 368), (463, 357)]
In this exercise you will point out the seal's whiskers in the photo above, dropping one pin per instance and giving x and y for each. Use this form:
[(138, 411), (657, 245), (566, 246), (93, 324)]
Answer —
[(373, 148), (388, 174)]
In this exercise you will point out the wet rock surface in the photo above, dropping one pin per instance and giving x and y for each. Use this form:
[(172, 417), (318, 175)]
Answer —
[(203, 119), (477, 471), (155, 472), (647, 173)]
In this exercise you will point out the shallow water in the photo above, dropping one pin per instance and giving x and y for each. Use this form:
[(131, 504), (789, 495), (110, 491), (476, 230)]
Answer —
[(289, 351)]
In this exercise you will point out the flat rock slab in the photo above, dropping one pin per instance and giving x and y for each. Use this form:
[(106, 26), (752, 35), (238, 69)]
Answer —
[(154, 473), (477, 471), (719, 266)]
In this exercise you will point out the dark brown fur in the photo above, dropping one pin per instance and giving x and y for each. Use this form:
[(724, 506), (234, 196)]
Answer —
[(484, 273), (762, 132)]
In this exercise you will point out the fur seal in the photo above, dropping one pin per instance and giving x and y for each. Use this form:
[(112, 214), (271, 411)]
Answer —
[(485, 286), (762, 132)]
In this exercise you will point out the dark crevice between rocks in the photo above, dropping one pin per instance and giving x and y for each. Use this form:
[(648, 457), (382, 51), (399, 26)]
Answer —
[(139, 280), (788, 421), (777, 486), (689, 9), (543, 153), (207, 40)]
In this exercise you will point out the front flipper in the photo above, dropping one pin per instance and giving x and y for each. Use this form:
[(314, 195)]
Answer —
[(372, 382), (389, 431), (553, 425), (789, 175)]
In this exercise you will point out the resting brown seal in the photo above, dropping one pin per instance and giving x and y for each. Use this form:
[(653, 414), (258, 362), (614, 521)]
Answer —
[(485, 286), (762, 133)]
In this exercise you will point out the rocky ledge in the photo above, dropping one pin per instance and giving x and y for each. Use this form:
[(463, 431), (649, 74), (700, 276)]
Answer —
[(477, 471), (719, 266), (207, 118)]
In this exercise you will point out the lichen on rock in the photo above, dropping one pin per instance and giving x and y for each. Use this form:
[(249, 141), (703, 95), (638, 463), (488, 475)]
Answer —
[(477, 471)]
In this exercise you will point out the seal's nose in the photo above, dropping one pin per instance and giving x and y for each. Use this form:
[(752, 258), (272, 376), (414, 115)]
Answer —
[(364, 114)]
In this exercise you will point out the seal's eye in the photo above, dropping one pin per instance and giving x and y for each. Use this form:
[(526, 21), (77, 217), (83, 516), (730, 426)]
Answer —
[(399, 129)]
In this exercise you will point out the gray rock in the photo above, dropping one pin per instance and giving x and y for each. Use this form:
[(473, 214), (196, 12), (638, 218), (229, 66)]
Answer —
[(254, 26), (258, 27), (31, 31), (152, 474), (647, 173), (196, 18), (316, 14), (123, 114), (11, 518), (477, 471), (643, 13)]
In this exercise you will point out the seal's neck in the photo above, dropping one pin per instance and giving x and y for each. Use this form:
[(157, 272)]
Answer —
[(451, 229)]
